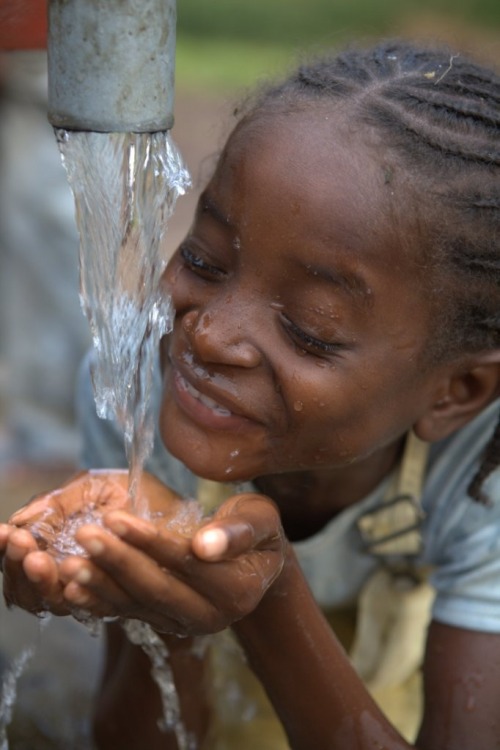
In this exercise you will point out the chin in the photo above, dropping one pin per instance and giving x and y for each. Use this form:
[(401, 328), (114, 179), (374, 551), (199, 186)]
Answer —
[(204, 462)]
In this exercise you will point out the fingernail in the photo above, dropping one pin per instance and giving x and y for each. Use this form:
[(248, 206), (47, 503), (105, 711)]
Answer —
[(75, 595), (93, 546), (214, 542), (117, 527), (83, 576)]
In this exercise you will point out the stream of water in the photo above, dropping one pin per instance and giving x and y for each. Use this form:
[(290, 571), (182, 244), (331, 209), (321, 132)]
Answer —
[(125, 187)]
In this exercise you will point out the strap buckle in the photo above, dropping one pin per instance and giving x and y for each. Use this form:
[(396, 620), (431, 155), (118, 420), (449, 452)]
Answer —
[(393, 528)]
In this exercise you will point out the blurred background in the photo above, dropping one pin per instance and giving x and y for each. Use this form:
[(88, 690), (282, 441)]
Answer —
[(223, 49)]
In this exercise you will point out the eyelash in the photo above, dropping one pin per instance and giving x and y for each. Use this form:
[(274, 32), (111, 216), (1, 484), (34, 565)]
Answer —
[(323, 347), (198, 266), (300, 337)]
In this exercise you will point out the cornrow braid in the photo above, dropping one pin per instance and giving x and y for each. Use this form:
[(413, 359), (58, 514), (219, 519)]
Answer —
[(440, 113)]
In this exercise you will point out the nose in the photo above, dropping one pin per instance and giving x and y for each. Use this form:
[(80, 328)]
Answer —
[(221, 338)]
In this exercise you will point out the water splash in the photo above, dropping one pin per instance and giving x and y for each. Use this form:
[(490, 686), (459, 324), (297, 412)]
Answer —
[(10, 679), (144, 636), (125, 187), (9, 692)]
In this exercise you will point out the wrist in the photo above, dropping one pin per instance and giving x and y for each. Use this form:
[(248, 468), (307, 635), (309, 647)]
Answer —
[(283, 597)]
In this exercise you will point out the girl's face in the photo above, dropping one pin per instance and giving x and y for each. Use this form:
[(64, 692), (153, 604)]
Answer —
[(300, 317)]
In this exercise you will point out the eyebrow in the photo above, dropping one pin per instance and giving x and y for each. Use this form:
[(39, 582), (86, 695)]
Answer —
[(208, 206), (352, 283)]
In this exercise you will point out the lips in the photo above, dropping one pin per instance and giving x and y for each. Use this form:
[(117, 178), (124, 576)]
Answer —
[(184, 385)]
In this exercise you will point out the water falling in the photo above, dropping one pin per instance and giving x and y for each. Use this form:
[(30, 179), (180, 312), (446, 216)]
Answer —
[(9, 692), (125, 187), (10, 681), (144, 636)]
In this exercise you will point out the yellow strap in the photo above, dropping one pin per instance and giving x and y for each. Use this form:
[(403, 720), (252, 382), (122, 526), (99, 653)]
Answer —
[(393, 528), (211, 494)]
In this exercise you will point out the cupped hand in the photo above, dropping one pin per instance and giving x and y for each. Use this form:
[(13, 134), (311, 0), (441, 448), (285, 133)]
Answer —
[(40, 535), (182, 581)]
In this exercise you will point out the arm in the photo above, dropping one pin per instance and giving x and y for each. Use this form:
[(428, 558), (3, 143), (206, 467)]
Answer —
[(461, 689), (308, 677), (323, 704)]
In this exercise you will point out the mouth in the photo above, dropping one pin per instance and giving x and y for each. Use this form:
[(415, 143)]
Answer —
[(184, 385), (211, 413)]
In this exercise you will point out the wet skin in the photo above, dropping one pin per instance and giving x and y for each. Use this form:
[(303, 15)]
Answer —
[(300, 318)]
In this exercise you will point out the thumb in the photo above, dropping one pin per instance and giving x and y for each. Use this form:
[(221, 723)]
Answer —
[(243, 523), (223, 539)]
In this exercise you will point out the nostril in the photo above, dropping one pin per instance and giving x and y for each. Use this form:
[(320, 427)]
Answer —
[(205, 320)]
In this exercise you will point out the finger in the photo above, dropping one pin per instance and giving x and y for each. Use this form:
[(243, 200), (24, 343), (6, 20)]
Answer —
[(86, 585), (32, 583), (31, 512), (244, 523), (42, 572), (5, 532), (153, 591), (41, 568), (167, 548), (19, 543), (236, 584)]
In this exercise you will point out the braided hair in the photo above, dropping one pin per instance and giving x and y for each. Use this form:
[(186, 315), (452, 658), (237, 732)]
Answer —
[(440, 114)]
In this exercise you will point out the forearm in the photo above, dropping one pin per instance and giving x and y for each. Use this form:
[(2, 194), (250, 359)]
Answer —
[(129, 705), (319, 698)]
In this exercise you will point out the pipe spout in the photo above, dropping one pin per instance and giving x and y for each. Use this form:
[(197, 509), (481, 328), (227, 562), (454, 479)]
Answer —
[(111, 65)]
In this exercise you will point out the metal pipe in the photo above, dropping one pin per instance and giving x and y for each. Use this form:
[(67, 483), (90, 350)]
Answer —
[(111, 65)]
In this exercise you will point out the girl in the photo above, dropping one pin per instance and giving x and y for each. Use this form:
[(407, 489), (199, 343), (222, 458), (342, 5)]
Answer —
[(336, 311)]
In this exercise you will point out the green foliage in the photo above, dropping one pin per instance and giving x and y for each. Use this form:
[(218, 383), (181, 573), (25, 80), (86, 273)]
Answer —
[(227, 44), (292, 22), (225, 65)]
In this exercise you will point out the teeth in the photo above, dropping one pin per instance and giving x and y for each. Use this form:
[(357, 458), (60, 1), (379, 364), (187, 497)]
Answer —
[(206, 400)]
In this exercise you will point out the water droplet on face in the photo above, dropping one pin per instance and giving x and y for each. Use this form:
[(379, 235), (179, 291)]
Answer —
[(234, 453), (237, 243), (276, 305), (298, 405)]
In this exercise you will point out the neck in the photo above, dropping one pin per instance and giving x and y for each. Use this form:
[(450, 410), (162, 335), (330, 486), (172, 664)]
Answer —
[(307, 500)]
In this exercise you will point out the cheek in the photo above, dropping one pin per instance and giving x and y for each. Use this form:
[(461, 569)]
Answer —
[(337, 416)]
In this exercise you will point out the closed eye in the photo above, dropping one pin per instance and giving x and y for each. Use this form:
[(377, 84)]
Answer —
[(310, 343), (200, 267)]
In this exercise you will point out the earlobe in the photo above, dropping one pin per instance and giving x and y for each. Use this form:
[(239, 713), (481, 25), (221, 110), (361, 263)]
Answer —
[(460, 397)]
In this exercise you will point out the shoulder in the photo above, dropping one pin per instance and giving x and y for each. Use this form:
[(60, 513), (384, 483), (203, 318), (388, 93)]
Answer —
[(461, 536), (452, 465)]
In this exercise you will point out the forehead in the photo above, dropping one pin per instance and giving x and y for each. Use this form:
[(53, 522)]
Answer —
[(317, 172)]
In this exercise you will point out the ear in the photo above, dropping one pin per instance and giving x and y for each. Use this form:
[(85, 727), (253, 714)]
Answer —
[(460, 396)]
